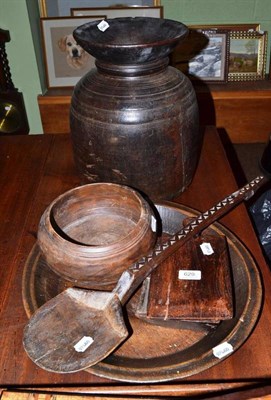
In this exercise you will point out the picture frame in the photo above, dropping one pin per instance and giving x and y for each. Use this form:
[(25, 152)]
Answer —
[(117, 12), (61, 8), (203, 55), (247, 58), (228, 27), (59, 47)]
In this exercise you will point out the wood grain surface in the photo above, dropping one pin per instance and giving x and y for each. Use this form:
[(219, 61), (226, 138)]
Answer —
[(9, 395), (207, 297), (34, 170)]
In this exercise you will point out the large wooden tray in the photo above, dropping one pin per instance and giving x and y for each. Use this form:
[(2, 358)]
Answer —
[(155, 353)]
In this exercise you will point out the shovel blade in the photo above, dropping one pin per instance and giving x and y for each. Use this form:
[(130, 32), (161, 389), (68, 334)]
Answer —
[(75, 330)]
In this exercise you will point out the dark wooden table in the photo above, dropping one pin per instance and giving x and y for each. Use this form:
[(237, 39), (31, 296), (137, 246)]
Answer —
[(34, 170)]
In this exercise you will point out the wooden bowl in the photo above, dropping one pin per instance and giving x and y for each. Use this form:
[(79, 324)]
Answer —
[(92, 233)]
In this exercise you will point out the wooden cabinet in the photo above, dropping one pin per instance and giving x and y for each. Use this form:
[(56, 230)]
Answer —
[(54, 108), (241, 109)]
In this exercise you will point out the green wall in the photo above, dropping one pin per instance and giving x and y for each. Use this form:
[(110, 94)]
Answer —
[(21, 55), (219, 11), (21, 18)]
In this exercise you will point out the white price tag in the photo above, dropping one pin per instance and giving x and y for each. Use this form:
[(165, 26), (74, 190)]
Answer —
[(153, 224), (83, 344), (206, 249), (190, 275), (103, 25), (222, 350)]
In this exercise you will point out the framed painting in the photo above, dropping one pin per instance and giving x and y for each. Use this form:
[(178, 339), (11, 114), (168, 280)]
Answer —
[(247, 59), (228, 27), (116, 12), (65, 61), (203, 55), (61, 8)]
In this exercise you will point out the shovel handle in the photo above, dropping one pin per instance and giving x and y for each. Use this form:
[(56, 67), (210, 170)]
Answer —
[(134, 276)]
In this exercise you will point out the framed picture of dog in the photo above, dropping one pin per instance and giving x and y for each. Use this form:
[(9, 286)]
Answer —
[(65, 61)]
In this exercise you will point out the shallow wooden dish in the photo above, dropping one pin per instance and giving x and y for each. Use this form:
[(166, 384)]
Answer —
[(160, 353)]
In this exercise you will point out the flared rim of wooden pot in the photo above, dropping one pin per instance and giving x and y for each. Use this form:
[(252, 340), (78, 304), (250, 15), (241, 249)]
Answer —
[(131, 39)]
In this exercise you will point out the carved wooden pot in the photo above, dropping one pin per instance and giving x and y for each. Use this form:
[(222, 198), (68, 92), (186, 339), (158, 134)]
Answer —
[(91, 234), (134, 119)]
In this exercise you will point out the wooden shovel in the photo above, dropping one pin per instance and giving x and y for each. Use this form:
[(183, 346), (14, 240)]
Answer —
[(78, 328)]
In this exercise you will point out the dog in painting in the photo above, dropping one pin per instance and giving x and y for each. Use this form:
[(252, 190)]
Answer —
[(76, 56)]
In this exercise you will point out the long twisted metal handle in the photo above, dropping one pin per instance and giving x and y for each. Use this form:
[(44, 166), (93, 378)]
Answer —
[(132, 278)]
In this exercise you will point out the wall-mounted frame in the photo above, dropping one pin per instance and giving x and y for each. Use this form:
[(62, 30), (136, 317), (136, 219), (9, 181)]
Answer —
[(203, 56), (115, 12), (247, 59), (65, 61), (228, 27), (61, 8)]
